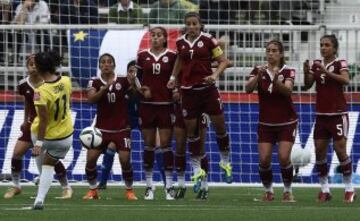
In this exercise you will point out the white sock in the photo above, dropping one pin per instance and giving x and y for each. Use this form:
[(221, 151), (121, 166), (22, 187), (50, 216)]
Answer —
[(46, 178), (225, 157), (15, 176), (39, 160), (149, 178), (195, 164), (288, 189), (324, 182), (169, 179), (204, 184), (269, 189), (181, 179), (348, 183)]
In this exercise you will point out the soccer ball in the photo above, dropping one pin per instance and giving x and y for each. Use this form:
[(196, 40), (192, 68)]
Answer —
[(90, 137), (300, 157)]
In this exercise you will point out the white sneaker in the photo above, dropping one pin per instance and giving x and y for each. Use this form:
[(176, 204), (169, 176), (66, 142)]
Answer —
[(170, 193), (149, 193)]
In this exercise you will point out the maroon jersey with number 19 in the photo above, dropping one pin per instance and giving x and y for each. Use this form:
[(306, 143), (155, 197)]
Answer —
[(330, 99), (275, 108), (112, 108), (156, 71)]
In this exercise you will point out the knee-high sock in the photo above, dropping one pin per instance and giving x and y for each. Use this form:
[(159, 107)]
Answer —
[(46, 178), (106, 166)]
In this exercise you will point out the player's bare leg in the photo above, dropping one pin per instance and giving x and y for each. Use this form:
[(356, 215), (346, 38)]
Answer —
[(91, 173), (165, 135)]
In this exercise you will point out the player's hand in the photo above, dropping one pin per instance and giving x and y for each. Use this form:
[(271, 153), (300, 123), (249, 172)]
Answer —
[(210, 79), (176, 95), (321, 67), (36, 151), (146, 92), (306, 67), (171, 83)]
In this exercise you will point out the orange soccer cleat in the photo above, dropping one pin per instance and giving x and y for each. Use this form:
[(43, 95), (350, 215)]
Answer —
[(130, 195), (92, 194), (13, 191)]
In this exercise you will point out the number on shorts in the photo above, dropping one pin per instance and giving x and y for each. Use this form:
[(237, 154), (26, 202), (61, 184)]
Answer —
[(127, 143), (340, 130)]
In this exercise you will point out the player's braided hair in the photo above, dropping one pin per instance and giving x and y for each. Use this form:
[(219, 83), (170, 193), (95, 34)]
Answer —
[(333, 40), (281, 49)]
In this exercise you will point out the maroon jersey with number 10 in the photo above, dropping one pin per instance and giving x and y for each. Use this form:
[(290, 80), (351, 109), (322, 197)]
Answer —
[(112, 108)]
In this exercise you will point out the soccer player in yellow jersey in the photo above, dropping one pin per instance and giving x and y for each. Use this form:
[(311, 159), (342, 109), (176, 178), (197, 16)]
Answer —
[(52, 128)]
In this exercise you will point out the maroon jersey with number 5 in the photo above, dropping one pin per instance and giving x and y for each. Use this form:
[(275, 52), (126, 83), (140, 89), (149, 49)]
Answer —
[(330, 99)]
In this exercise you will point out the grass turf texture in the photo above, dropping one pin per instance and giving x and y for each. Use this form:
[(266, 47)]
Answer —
[(231, 203)]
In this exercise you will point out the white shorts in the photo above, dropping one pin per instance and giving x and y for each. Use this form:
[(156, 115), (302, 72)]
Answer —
[(56, 148)]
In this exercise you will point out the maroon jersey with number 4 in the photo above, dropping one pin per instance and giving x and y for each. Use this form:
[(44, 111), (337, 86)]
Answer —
[(276, 109), (26, 89), (112, 108), (156, 71), (196, 58), (330, 99)]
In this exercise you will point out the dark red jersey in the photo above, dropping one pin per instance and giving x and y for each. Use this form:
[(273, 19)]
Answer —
[(330, 99), (156, 71), (276, 109), (112, 108), (196, 58), (26, 89)]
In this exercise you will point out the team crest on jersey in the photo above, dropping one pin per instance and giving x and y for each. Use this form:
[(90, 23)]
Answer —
[(147, 59), (28, 92), (281, 77), (184, 112), (331, 68), (165, 59), (118, 86), (200, 44), (37, 96)]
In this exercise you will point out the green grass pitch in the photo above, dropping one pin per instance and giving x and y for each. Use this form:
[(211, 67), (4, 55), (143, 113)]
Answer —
[(224, 204)]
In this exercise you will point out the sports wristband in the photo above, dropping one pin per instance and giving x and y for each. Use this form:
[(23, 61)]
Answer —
[(172, 78)]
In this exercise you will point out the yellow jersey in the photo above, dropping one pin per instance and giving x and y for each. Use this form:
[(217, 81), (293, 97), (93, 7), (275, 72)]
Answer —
[(56, 96)]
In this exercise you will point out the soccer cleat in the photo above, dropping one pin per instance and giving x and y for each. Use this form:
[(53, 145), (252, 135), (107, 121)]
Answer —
[(268, 197), (130, 195), (92, 194), (323, 197), (196, 179), (349, 197), (170, 193), (203, 194), (13, 191), (66, 194), (288, 197), (102, 186), (180, 193), (227, 168), (38, 206), (149, 193)]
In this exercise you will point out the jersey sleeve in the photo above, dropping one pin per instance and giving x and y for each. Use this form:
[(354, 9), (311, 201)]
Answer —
[(216, 50), (343, 65), (40, 97), (92, 85), (139, 61), (290, 75), (254, 72)]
